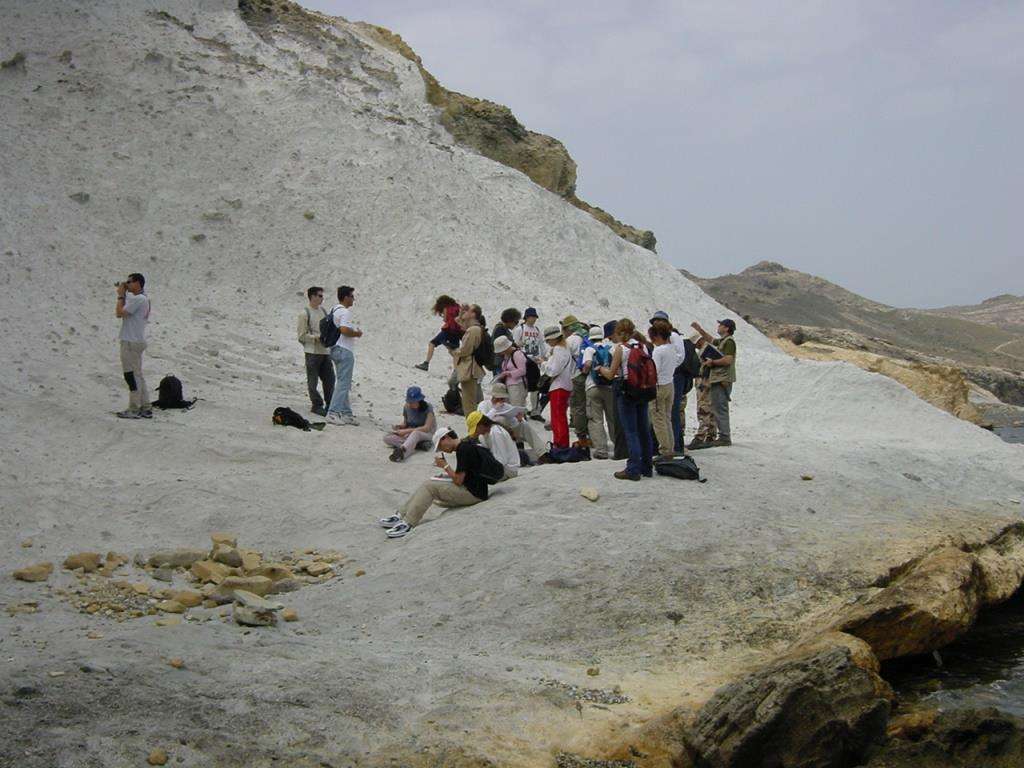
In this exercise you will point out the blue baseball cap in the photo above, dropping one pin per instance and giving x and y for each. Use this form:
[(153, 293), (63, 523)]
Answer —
[(414, 394), (530, 312), (659, 315)]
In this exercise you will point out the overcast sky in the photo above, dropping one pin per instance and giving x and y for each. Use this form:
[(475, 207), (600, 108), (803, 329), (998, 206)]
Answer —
[(877, 144)]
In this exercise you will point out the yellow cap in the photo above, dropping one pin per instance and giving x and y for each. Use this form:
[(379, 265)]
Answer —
[(472, 421)]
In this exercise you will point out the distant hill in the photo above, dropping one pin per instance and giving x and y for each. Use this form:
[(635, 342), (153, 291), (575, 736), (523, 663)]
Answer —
[(770, 292)]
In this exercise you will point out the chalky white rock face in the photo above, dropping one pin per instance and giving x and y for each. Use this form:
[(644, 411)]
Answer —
[(235, 171)]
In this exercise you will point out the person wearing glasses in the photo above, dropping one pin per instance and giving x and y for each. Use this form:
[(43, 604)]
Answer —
[(318, 359)]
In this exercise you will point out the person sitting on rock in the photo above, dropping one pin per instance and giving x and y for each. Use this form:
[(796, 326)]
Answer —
[(513, 419), (460, 487), (417, 427), (497, 440)]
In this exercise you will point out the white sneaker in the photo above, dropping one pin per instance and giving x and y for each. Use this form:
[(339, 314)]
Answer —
[(336, 418), (398, 531), (129, 414), (350, 420), (390, 521)]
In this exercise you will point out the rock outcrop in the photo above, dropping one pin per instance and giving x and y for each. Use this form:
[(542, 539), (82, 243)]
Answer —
[(965, 738)]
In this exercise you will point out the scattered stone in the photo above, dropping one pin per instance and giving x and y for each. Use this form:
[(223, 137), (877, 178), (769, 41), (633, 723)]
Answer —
[(912, 476), (26, 544), (593, 695), (806, 477), (274, 571), (176, 558), (226, 555), (177, 663), (94, 635), (15, 64), (169, 621), (360, 572), (188, 598), (251, 559), (319, 569), (37, 572), (87, 561), (210, 603), (27, 607), (164, 574), (56, 673), (209, 571), (224, 539), (309, 215), (290, 614), (198, 238), (257, 603), (249, 617), (590, 494), (594, 671), (170, 606), (139, 588), (157, 757), (80, 197), (911, 725), (258, 585), (285, 585)]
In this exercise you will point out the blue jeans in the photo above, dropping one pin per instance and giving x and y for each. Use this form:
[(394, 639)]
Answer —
[(344, 361), (679, 380), (636, 425)]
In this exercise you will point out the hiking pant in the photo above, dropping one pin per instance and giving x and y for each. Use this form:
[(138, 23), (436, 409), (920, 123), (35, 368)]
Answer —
[(517, 393), (535, 408), (469, 392), (721, 393), (679, 381), (661, 418), (408, 444), (344, 362), (443, 494), (131, 367), (578, 407), (601, 408), (559, 399), (524, 432), (634, 421), (707, 429), (319, 368)]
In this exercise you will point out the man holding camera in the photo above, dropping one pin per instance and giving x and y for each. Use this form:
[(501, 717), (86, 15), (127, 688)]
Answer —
[(133, 309)]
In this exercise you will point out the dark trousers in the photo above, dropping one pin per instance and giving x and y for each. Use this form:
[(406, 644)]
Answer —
[(578, 408), (680, 379), (319, 367), (635, 422)]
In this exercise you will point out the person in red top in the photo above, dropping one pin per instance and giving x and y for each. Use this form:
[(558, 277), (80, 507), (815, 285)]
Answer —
[(451, 332)]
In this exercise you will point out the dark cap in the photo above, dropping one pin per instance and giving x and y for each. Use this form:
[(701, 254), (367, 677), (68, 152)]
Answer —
[(530, 312), (728, 323)]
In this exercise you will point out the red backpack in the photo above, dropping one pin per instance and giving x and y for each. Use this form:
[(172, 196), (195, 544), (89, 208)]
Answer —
[(641, 375)]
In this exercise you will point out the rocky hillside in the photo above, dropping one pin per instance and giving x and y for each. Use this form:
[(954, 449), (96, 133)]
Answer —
[(1003, 311), (787, 302)]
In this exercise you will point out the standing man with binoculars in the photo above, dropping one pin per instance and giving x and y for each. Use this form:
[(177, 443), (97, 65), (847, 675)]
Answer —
[(133, 309)]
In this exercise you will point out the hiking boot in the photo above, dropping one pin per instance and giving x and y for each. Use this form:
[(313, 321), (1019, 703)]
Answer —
[(424, 366), (536, 417), (390, 521), (336, 418), (146, 413), (600, 455), (720, 442), (624, 475), (319, 410), (128, 415), (424, 446), (696, 445), (398, 454), (398, 531)]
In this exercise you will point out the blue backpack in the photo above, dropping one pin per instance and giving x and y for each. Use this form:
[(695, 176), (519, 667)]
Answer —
[(602, 359), (585, 344)]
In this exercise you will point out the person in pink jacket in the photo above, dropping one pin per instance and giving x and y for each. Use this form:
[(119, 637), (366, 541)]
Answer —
[(513, 369)]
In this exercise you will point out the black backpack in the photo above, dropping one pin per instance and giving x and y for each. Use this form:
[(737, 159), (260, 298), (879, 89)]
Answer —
[(491, 470), (484, 352), (329, 332), (571, 455), (691, 360), (171, 394), (679, 467), (452, 402), (532, 375), (286, 417)]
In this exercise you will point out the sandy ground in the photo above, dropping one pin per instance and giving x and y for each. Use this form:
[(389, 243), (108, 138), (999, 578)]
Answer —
[(668, 588)]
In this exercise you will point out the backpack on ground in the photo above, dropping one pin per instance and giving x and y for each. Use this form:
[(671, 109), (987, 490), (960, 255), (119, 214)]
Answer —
[(641, 376), (557, 455), (329, 332), (491, 470), (680, 467), (171, 394), (484, 352), (452, 401), (602, 359), (286, 417), (532, 375)]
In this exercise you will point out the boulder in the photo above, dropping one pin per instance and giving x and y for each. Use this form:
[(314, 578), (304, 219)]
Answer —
[(170, 606), (274, 571), (37, 572), (257, 603), (258, 585), (924, 609), (816, 708), (176, 558), (226, 555), (250, 559), (226, 539), (285, 585), (87, 561), (250, 617), (319, 569), (164, 574), (209, 571), (188, 598), (959, 738)]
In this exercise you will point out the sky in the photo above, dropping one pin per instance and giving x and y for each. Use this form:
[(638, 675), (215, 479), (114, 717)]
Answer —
[(876, 144)]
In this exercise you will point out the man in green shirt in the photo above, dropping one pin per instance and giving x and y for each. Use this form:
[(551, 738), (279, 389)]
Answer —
[(721, 376)]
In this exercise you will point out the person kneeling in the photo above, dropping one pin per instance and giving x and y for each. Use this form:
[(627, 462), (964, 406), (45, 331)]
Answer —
[(497, 440), (460, 487)]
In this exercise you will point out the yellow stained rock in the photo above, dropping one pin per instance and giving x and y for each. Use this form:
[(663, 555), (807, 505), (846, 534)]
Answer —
[(208, 570), (290, 614), (37, 572), (227, 539), (274, 571), (157, 757), (87, 561), (168, 621), (258, 585), (319, 569), (228, 556), (251, 559), (140, 589), (188, 598), (177, 663), (170, 606)]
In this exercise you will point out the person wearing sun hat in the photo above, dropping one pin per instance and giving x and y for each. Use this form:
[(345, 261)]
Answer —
[(511, 369), (459, 487), (418, 424), (496, 439), (577, 339), (559, 367)]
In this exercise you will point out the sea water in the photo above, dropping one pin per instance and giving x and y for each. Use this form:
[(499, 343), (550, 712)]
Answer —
[(985, 668)]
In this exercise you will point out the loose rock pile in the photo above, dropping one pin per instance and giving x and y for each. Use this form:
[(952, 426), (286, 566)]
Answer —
[(222, 575)]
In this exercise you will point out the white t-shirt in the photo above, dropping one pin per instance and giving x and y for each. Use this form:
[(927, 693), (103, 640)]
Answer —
[(588, 358), (136, 315), (559, 367), (574, 342), (529, 339), (343, 317), (666, 360), (678, 342), (501, 444)]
